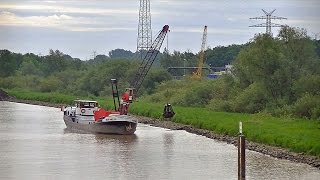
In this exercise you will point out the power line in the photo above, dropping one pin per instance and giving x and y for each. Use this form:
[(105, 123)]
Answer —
[(268, 24)]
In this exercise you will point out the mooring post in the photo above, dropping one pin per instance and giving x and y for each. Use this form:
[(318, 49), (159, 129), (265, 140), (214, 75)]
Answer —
[(241, 154)]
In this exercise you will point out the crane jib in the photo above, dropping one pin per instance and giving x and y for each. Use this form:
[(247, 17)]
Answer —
[(149, 59)]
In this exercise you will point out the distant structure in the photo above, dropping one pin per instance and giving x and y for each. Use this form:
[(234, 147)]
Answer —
[(316, 35), (94, 54), (268, 23), (144, 41)]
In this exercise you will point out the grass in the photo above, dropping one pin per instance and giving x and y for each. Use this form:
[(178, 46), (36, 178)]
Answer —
[(44, 97), (298, 135)]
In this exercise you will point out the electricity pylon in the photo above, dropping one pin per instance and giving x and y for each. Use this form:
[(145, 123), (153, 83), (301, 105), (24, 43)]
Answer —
[(268, 23), (144, 41)]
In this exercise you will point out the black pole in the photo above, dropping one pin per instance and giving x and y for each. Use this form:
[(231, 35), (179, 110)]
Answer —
[(241, 155), (118, 95), (114, 94)]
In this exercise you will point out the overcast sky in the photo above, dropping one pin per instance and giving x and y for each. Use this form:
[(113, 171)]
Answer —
[(79, 27)]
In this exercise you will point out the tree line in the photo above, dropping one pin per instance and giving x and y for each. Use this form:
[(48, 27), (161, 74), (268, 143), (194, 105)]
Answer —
[(278, 75), (59, 72)]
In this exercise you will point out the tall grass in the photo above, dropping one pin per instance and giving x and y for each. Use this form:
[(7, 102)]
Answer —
[(298, 135)]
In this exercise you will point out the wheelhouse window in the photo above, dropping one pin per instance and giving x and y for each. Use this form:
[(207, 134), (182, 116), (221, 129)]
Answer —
[(88, 104)]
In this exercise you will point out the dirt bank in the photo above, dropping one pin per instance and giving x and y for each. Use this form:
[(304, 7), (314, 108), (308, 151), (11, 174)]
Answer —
[(3, 95), (265, 149)]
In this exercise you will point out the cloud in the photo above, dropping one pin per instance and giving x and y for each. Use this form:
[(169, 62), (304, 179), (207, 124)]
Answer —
[(80, 26), (8, 18), (68, 9), (211, 30), (63, 22)]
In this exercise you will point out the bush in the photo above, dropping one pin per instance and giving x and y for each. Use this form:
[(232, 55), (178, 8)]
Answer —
[(220, 105), (308, 106), (7, 83), (50, 84), (307, 84), (252, 100)]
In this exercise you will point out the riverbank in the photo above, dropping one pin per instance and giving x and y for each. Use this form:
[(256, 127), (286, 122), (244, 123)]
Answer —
[(276, 152), (258, 147), (3, 95)]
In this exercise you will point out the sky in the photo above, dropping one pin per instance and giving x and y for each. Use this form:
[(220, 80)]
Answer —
[(79, 28)]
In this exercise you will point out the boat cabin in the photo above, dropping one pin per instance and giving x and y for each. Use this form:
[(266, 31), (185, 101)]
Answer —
[(86, 107)]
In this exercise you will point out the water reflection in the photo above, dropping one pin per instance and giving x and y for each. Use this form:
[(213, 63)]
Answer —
[(168, 139), (106, 138)]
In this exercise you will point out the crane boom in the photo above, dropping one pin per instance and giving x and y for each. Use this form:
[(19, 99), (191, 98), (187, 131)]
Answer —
[(198, 73), (128, 96), (149, 59)]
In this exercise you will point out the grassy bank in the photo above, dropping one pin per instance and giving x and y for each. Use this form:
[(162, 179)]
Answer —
[(298, 135)]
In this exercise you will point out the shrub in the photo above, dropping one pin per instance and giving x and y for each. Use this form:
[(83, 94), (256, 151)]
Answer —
[(307, 106), (252, 100), (220, 105), (50, 84), (7, 82)]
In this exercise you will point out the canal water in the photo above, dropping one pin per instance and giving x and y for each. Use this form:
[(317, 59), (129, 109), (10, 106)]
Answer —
[(35, 144)]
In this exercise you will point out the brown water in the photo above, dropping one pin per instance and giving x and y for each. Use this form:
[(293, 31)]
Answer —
[(34, 144)]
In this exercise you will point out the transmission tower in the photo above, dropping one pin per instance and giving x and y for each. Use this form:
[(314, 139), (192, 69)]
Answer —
[(268, 23), (144, 41)]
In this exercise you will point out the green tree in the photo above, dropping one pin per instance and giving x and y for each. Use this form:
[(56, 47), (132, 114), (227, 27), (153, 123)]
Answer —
[(29, 66), (54, 62), (154, 78), (121, 54), (9, 63), (222, 55), (278, 65), (50, 84), (261, 62)]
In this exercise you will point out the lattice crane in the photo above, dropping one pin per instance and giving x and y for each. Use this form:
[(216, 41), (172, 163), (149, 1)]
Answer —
[(198, 73), (143, 70)]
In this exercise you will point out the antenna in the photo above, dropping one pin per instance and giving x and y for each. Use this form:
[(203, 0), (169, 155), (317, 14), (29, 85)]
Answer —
[(144, 41), (94, 54), (268, 23)]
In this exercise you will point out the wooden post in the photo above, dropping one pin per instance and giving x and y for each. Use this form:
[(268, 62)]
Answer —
[(241, 154)]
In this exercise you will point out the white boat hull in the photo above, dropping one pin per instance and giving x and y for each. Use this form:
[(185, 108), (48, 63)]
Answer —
[(122, 124)]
